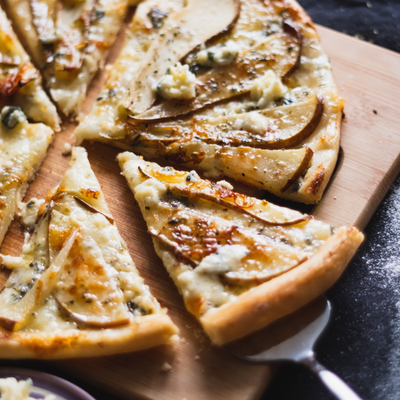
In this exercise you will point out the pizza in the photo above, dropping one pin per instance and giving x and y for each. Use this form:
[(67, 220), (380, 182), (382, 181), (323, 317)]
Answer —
[(74, 291), (23, 146), (69, 40), (240, 263), (242, 90), (20, 81)]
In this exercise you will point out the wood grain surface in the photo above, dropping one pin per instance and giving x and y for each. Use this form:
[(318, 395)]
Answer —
[(367, 78)]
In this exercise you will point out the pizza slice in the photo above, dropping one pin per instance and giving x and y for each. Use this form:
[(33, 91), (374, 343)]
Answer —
[(74, 291), (20, 81), (23, 147), (240, 263), (257, 103), (69, 40)]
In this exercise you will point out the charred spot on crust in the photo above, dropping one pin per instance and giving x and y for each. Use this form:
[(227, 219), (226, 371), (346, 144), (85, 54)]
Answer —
[(316, 183)]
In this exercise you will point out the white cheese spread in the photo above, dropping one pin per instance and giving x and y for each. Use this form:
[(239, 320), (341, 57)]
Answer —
[(177, 83), (267, 88)]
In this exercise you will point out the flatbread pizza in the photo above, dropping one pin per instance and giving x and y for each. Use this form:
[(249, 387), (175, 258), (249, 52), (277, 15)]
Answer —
[(74, 291), (240, 263), (247, 94)]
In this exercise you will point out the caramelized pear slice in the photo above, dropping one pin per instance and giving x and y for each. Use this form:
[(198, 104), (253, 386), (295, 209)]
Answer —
[(84, 187), (276, 128), (197, 23), (14, 314), (253, 277), (262, 210), (222, 83), (88, 289)]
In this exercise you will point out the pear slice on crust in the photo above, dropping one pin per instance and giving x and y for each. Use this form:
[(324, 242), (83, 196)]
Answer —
[(228, 263), (75, 285), (305, 94), (275, 128), (272, 170), (197, 23), (225, 82)]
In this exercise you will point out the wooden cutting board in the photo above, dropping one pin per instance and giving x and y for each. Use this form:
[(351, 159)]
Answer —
[(367, 77)]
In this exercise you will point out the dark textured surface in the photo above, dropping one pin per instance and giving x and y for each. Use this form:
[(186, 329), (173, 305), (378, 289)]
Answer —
[(362, 342)]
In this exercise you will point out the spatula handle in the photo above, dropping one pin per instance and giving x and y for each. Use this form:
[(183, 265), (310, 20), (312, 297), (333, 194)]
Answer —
[(339, 388)]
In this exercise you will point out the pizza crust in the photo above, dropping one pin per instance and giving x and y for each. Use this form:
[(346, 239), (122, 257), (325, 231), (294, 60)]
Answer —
[(150, 331), (283, 295)]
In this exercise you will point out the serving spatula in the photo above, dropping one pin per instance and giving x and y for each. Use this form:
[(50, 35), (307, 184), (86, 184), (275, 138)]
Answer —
[(292, 338)]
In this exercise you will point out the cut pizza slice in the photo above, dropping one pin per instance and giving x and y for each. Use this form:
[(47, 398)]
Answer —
[(239, 106), (75, 291), (69, 40), (20, 81), (23, 147), (240, 263)]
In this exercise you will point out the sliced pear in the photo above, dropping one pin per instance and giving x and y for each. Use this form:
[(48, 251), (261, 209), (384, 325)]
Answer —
[(197, 23), (87, 288), (225, 82), (276, 128), (283, 127), (270, 170), (255, 277), (14, 315), (259, 209)]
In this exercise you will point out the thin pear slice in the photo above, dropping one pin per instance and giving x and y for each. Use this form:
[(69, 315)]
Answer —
[(197, 23), (283, 127), (271, 170), (262, 210), (204, 243), (276, 128), (88, 290), (14, 315), (223, 83)]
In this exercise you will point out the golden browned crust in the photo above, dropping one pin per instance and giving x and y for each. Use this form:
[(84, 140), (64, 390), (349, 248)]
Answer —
[(266, 303), (142, 333)]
